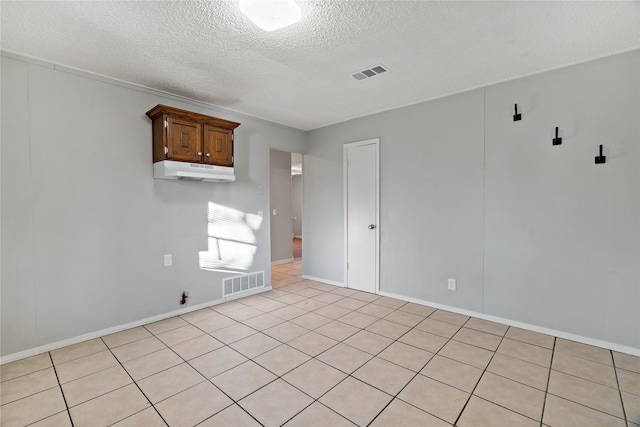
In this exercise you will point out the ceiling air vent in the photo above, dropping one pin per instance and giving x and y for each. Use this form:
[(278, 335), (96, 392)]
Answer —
[(370, 72)]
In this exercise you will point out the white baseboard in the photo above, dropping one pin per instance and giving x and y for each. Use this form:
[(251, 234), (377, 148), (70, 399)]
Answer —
[(85, 337), (318, 279), (282, 261), (560, 334)]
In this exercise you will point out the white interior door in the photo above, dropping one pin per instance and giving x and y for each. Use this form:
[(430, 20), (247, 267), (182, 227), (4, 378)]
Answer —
[(361, 215)]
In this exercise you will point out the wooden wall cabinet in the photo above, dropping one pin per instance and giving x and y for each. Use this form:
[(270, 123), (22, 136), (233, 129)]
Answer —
[(185, 136)]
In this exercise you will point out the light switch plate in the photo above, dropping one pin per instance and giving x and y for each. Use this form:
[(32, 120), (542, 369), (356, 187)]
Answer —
[(451, 284), (168, 260)]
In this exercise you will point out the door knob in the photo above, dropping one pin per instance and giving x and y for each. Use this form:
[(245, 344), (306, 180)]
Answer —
[(208, 154), (371, 226), (199, 153)]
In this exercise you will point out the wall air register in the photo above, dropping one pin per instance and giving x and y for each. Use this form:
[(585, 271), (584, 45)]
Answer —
[(376, 70), (168, 169)]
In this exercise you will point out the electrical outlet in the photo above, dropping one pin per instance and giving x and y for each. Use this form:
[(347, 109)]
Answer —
[(168, 260), (451, 284), (275, 211)]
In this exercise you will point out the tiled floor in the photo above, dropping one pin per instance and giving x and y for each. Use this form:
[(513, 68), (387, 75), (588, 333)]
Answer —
[(311, 354)]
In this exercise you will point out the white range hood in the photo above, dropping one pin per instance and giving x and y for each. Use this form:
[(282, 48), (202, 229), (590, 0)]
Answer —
[(168, 169)]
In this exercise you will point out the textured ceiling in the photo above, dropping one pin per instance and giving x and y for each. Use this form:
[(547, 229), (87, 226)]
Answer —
[(301, 75)]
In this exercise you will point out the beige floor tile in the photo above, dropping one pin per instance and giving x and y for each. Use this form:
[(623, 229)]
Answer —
[(213, 323), (438, 399), (391, 303), (269, 305), (243, 380), (196, 347), (318, 415), (193, 405), (324, 287), (631, 406), (262, 322), (369, 342), (350, 303), (332, 311), (312, 343), (234, 416), (419, 309), (627, 361), (527, 352), (172, 381), (486, 326), (407, 356), (139, 348), (27, 385), (530, 337), (518, 370), (77, 351), (151, 363), (94, 385), (217, 361), (228, 307), (423, 340), (25, 366), (337, 330), (233, 333), (449, 317), (309, 292), (198, 315), (32, 408), (309, 305), (437, 327), (480, 413), (359, 320), (365, 296), (109, 408), (255, 345), (517, 397), (584, 351), (375, 310), (478, 338), (404, 318), (311, 321), (125, 337), (178, 335), (629, 381), (399, 413), (346, 292), (465, 353), (314, 378), (61, 419), (147, 418), (328, 297), (384, 375), (289, 312), (356, 401), (453, 373), (246, 313), (290, 299), (285, 332), (266, 404), (388, 329), (165, 325), (281, 359), (560, 412), (345, 358), (86, 365), (587, 393), (585, 369)]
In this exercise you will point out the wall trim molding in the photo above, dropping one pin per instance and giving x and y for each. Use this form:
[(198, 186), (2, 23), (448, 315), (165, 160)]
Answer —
[(560, 334), (328, 282), (282, 261)]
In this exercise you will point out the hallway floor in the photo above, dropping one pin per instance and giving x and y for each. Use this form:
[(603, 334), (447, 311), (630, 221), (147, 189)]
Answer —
[(312, 354)]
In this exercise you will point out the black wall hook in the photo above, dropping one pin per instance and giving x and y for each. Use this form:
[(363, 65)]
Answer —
[(516, 116), (556, 140), (600, 159)]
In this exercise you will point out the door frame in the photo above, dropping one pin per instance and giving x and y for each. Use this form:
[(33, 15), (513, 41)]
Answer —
[(345, 147)]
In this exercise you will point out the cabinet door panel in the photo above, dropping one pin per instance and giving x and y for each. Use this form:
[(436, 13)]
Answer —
[(218, 146), (184, 140)]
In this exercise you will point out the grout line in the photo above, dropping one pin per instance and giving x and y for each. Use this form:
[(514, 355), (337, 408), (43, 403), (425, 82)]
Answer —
[(615, 371), (546, 391), (55, 371)]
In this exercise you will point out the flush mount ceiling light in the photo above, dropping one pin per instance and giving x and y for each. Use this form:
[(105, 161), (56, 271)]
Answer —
[(271, 15)]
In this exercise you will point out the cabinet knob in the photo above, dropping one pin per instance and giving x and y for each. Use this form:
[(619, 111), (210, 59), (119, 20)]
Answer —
[(199, 153), (208, 154)]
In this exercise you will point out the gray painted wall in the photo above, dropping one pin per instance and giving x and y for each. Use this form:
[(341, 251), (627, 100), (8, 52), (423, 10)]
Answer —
[(532, 232), (84, 223), (296, 204), (281, 248)]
